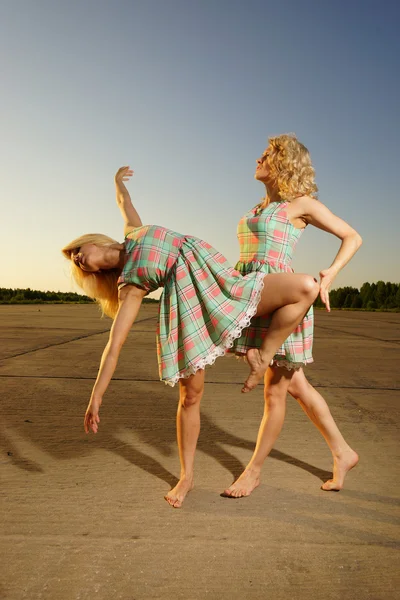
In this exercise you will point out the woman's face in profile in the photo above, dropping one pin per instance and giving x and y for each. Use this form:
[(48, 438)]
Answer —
[(88, 257), (262, 168)]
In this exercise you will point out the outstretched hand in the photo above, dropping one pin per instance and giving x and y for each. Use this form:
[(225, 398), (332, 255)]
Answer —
[(326, 278), (92, 419), (123, 174)]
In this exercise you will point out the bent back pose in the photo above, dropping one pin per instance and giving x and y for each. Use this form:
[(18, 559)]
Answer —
[(268, 235), (204, 306)]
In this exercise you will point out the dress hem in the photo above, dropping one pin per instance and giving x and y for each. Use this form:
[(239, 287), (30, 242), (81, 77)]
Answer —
[(290, 366), (279, 361)]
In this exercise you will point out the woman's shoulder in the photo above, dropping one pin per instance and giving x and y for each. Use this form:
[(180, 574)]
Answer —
[(300, 206)]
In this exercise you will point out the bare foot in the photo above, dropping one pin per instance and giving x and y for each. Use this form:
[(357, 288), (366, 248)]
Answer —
[(244, 485), (257, 369), (176, 496), (341, 466)]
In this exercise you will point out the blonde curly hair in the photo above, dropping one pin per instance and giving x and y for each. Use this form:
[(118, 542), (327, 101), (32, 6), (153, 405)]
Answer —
[(291, 170), (103, 286)]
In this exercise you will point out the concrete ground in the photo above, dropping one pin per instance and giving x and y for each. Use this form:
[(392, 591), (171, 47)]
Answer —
[(83, 517)]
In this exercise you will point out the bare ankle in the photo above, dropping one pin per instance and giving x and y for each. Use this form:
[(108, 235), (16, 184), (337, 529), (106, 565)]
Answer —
[(264, 357), (253, 469), (187, 477), (340, 452)]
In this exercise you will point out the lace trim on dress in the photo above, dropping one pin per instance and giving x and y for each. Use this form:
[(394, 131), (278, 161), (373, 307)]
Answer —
[(261, 262), (279, 362), (228, 343), (290, 366)]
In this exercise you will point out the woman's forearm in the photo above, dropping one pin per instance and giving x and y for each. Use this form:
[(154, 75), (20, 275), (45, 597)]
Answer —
[(108, 365), (130, 302), (349, 246), (124, 202)]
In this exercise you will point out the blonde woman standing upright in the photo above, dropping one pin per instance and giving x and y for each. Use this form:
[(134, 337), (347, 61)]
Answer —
[(268, 235)]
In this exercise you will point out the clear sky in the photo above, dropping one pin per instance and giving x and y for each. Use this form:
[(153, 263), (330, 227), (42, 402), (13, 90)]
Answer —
[(187, 92)]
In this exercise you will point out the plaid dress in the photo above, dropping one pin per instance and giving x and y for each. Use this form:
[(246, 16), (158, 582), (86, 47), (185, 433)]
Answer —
[(205, 303), (267, 242)]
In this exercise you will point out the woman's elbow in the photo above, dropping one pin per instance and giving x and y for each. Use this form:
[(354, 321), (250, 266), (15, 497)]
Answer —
[(358, 239), (353, 237)]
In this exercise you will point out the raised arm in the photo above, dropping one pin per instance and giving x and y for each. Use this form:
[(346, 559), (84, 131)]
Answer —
[(124, 202), (130, 299), (317, 214)]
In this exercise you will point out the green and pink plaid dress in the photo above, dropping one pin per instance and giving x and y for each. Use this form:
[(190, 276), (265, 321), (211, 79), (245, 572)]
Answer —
[(267, 242), (205, 303)]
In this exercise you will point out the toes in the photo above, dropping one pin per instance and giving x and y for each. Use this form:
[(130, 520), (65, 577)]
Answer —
[(177, 495), (330, 486), (174, 502), (240, 494), (327, 485), (230, 493), (233, 493)]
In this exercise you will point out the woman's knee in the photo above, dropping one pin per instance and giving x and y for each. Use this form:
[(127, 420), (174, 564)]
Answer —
[(297, 383), (190, 398), (276, 383), (275, 395), (310, 287), (298, 389), (191, 391)]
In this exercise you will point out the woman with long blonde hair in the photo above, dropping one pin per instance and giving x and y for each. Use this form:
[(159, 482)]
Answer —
[(268, 235), (204, 307)]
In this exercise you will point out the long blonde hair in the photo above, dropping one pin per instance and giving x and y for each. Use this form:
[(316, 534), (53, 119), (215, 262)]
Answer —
[(291, 169), (102, 286)]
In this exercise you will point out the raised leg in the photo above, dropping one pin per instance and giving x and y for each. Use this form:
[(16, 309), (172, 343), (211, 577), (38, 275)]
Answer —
[(188, 429), (277, 380), (288, 296), (316, 408)]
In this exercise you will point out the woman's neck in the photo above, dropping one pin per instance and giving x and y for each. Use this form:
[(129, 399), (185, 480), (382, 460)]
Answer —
[(271, 195), (121, 256), (115, 257)]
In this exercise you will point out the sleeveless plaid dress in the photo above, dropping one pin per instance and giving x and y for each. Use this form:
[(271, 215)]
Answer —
[(205, 303), (267, 242)]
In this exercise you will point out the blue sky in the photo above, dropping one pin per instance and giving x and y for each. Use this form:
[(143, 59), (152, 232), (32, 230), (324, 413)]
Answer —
[(187, 93)]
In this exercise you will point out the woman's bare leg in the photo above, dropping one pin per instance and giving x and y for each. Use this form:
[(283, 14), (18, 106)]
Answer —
[(315, 407), (277, 380), (188, 429), (288, 296)]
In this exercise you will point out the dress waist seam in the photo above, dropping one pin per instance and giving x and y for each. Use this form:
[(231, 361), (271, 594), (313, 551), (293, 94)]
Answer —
[(272, 261)]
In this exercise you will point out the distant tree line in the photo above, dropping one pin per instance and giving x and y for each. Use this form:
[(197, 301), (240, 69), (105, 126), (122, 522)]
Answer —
[(28, 296), (371, 296)]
